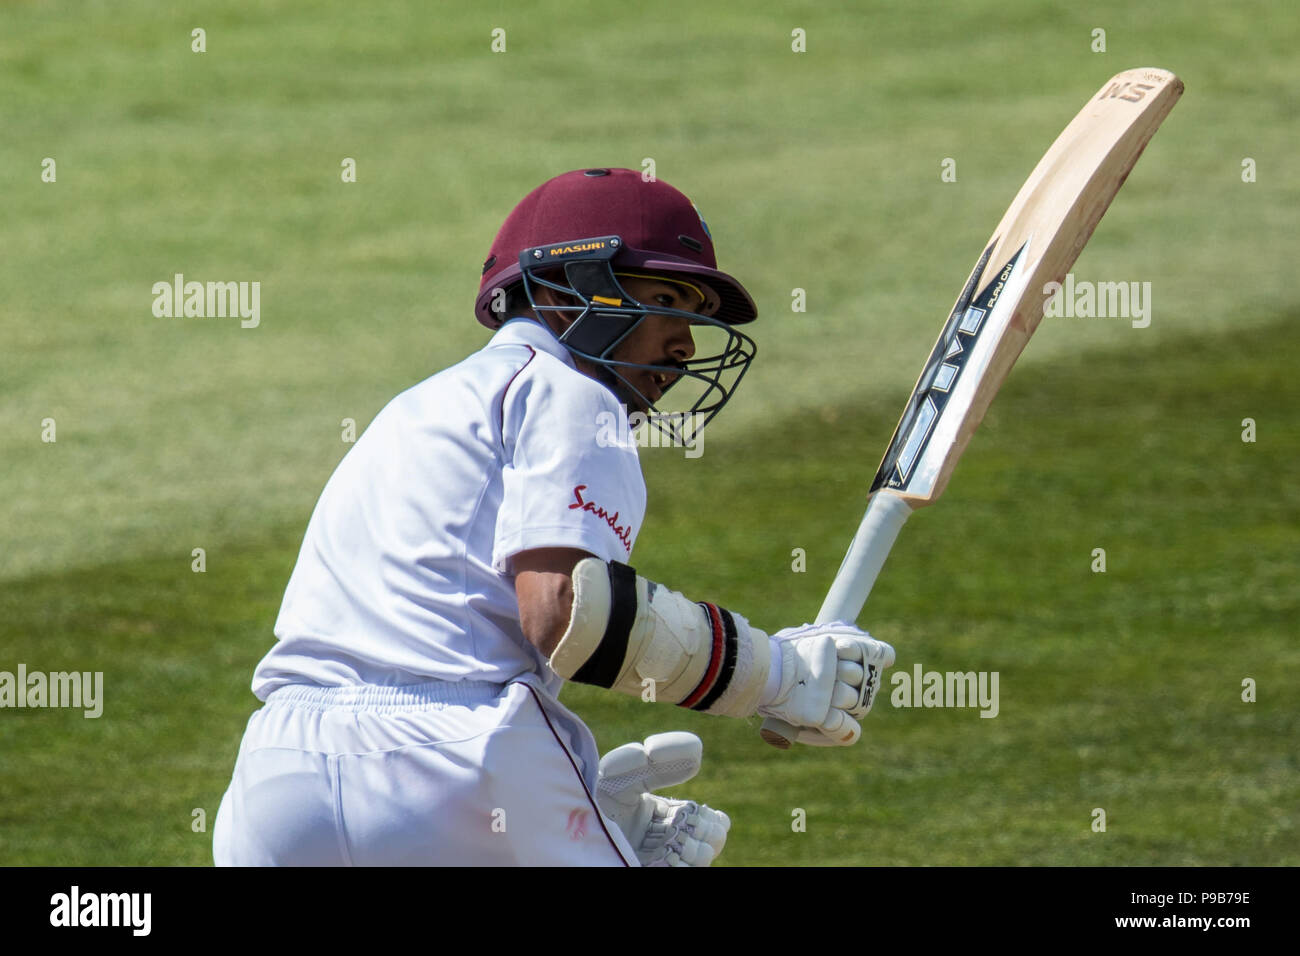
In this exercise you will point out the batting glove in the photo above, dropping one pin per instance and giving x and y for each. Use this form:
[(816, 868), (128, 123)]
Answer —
[(829, 677), (663, 831)]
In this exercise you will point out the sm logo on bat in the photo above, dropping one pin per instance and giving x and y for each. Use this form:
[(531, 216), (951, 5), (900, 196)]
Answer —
[(1133, 92)]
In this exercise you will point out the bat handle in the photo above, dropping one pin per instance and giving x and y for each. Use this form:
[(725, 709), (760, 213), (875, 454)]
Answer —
[(778, 733), (885, 517), (886, 514)]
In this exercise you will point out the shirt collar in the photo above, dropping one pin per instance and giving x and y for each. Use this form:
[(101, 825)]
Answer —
[(525, 331)]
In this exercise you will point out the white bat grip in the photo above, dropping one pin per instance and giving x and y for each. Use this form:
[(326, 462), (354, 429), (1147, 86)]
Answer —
[(885, 517)]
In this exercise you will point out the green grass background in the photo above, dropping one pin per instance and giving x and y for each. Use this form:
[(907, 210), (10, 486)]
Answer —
[(817, 171)]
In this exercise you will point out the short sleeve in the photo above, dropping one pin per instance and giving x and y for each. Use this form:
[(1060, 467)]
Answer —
[(572, 478)]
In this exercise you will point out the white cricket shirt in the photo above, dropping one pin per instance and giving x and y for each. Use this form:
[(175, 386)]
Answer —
[(404, 572)]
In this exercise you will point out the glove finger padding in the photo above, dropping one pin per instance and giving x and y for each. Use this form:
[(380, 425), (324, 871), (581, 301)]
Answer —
[(692, 834), (864, 649), (845, 697), (874, 657), (711, 827), (840, 730)]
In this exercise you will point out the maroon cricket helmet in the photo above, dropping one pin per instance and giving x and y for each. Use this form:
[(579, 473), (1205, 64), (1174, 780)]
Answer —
[(661, 232)]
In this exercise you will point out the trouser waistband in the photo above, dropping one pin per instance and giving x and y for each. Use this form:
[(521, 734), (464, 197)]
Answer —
[(372, 697)]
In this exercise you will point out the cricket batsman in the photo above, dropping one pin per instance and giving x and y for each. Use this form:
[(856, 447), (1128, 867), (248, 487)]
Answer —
[(471, 553)]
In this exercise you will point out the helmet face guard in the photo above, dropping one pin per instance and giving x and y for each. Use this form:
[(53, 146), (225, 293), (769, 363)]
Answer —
[(607, 315)]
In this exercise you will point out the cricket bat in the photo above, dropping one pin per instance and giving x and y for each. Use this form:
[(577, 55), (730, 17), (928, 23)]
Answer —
[(1035, 244)]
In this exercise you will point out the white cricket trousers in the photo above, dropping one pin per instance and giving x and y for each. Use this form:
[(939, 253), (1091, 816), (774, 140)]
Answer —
[(455, 774)]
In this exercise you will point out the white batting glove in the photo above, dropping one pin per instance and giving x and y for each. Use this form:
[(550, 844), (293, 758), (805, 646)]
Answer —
[(829, 677), (663, 831)]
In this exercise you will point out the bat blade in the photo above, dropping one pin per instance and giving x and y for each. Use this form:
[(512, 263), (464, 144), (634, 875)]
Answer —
[(1037, 241)]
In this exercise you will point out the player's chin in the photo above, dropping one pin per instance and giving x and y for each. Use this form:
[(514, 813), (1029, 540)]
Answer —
[(643, 394), (637, 402), (632, 397)]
